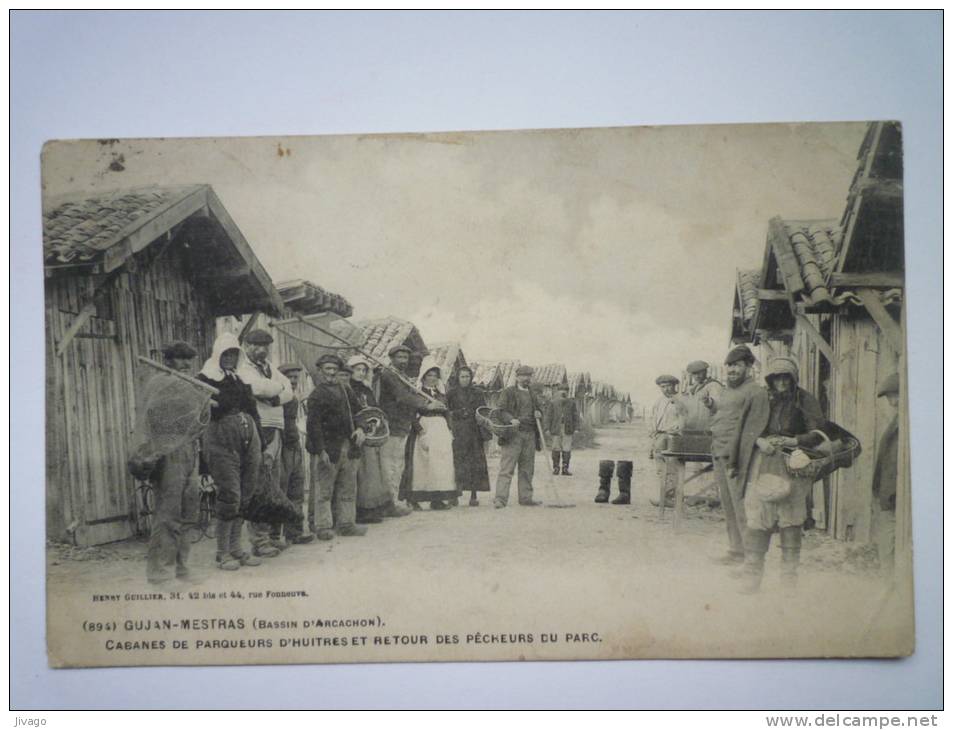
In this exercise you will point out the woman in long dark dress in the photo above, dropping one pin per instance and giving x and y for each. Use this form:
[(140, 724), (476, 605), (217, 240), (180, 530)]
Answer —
[(469, 458)]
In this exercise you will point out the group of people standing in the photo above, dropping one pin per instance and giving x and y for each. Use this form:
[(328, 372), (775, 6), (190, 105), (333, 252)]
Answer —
[(433, 453), (751, 427)]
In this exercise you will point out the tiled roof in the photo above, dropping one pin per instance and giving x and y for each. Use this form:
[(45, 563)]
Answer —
[(91, 234), (507, 370), (448, 356), (603, 390), (380, 335), (80, 230), (806, 252), (303, 297), (748, 281), (578, 380), (486, 374), (550, 374)]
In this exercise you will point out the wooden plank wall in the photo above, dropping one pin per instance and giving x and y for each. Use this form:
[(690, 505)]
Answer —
[(863, 359), (91, 388)]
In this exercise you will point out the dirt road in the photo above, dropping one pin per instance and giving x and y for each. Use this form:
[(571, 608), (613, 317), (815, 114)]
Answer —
[(618, 572)]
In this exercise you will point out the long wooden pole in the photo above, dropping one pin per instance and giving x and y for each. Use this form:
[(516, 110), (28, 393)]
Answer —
[(169, 371), (382, 364)]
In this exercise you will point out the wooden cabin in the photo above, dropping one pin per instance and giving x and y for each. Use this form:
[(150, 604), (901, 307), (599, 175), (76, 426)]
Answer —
[(830, 294), (548, 378), (628, 408), (127, 272), (600, 408), (580, 390), (486, 376), (493, 376), (380, 335), (449, 356), (508, 370)]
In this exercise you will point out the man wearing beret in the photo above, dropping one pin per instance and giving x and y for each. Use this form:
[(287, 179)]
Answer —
[(727, 408), (175, 482), (292, 462), (271, 390), (334, 443), (884, 503), (518, 451), (400, 404), (668, 417)]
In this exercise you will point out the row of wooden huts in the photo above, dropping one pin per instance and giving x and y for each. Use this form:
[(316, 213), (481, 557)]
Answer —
[(830, 293), (129, 271)]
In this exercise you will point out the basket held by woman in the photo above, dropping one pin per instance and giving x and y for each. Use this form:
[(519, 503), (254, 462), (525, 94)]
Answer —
[(838, 450), (373, 422)]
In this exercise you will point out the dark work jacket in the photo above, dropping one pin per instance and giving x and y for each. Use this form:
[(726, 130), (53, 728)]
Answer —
[(509, 402), (365, 395), (234, 396), (795, 416), (561, 417), (331, 408), (885, 472), (292, 439), (766, 416), (399, 403)]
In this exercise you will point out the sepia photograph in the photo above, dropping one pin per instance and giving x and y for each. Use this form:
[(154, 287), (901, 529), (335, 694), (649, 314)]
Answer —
[(651, 380)]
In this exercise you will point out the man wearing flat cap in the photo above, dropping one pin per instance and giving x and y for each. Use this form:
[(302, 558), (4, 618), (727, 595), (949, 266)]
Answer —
[(884, 503), (701, 388), (175, 480), (668, 417), (292, 462), (271, 390), (400, 404), (727, 408), (335, 445), (518, 452)]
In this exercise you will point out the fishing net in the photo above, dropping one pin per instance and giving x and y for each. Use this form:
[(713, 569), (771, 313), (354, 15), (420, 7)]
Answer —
[(269, 506), (309, 342), (170, 413)]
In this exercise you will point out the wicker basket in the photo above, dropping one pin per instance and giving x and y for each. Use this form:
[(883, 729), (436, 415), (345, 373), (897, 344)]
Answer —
[(373, 422), (496, 421), (826, 459)]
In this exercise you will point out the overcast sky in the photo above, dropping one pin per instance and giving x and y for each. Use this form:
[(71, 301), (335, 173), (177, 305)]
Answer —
[(610, 250)]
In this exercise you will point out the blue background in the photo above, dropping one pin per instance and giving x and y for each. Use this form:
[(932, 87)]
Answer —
[(213, 74)]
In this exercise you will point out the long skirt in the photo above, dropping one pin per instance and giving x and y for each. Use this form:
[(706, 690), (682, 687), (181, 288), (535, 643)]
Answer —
[(428, 472), (788, 512), (372, 489), (469, 459)]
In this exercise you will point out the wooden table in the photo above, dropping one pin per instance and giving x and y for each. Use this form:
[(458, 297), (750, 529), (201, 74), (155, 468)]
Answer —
[(679, 459)]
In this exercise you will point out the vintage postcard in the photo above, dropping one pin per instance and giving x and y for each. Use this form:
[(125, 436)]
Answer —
[(526, 395)]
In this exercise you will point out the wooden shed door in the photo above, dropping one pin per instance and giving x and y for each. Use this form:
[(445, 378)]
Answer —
[(98, 493)]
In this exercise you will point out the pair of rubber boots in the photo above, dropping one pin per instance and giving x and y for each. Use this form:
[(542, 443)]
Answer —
[(566, 455), (623, 470)]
